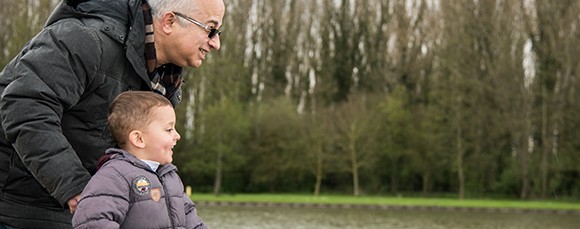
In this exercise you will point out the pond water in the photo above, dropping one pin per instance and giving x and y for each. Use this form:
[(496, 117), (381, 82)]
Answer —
[(225, 217)]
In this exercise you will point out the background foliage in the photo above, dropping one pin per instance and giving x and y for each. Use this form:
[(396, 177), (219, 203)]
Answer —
[(471, 98)]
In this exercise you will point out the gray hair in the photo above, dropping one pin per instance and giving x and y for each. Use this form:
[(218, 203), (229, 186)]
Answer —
[(160, 7)]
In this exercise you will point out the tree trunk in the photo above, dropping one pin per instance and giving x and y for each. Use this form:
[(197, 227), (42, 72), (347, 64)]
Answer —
[(545, 144), (318, 173), (395, 175), (523, 153), (524, 157), (426, 181), (459, 145), (354, 170), (218, 175), (460, 173)]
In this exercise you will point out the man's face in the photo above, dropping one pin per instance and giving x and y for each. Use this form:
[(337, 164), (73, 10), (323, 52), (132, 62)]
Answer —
[(188, 45)]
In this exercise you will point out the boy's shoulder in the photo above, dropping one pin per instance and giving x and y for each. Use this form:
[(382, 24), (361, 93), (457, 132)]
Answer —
[(119, 164)]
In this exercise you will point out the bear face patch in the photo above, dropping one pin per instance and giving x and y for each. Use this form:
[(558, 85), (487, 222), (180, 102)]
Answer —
[(141, 185)]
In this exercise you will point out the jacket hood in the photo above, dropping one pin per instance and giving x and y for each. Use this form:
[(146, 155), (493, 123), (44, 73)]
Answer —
[(119, 17), (119, 154), (115, 9), (122, 20)]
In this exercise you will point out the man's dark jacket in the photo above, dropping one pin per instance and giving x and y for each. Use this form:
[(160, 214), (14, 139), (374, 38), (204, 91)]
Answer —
[(54, 102)]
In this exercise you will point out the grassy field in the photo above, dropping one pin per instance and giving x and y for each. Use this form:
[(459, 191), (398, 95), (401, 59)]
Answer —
[(373, 200)]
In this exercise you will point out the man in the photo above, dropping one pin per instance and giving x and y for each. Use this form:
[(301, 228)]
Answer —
[(55, 93)]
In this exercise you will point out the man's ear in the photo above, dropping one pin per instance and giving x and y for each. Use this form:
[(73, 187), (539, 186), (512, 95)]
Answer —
[(168, 21), (136, 139)]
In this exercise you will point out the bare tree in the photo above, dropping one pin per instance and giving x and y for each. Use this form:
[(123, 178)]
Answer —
[(552, 29)]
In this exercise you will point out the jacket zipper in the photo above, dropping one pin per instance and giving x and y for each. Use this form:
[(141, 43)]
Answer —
[(167, 201), (159, 175)]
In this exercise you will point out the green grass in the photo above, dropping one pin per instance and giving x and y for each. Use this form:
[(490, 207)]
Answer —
[(373, 200)]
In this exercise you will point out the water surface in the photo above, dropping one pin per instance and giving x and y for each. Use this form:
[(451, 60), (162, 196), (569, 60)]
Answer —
[(225, 217)]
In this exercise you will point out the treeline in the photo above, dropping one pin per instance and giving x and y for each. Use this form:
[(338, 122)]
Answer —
[(472, 98)]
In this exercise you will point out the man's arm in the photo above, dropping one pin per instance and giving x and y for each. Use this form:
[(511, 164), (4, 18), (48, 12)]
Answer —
[(49, 79)]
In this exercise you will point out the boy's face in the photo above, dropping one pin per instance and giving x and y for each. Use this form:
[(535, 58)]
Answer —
[(160, 135)]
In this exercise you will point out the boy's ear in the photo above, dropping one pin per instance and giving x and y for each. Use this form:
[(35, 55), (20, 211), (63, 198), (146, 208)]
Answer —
[(136, 139)]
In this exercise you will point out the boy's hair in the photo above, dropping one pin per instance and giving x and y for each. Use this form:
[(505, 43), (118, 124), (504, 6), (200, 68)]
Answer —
[(131, 110)]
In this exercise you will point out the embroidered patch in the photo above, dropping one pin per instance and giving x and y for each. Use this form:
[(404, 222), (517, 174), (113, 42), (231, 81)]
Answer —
[(156, 194), (141, 185)]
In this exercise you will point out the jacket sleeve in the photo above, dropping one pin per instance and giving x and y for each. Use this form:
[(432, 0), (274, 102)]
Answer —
[(50, 77), (104, 203), (193, 220)]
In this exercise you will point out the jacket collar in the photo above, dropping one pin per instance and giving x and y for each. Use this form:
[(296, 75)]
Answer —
[(119, 154)]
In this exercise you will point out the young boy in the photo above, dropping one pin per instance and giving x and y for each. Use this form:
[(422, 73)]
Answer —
[(137, 186)]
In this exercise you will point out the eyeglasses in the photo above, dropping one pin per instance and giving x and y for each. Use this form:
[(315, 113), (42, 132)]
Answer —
[(212, 31)]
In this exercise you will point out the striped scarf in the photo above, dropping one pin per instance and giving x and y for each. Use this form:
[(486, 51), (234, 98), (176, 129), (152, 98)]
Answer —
[(165, 79)]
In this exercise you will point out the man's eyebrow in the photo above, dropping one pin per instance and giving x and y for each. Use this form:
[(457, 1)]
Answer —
[(214, 22)]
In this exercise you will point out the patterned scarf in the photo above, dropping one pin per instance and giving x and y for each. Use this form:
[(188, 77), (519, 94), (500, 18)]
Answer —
[(165, 79)]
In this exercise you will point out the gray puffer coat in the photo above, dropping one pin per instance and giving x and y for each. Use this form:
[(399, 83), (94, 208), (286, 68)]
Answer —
[(126, 193)]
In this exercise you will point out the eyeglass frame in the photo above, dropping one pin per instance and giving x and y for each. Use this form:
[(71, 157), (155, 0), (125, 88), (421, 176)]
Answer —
[(212, 31)]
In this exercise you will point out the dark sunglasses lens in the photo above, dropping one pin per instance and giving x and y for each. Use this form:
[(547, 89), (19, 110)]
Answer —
[(213, 32)]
